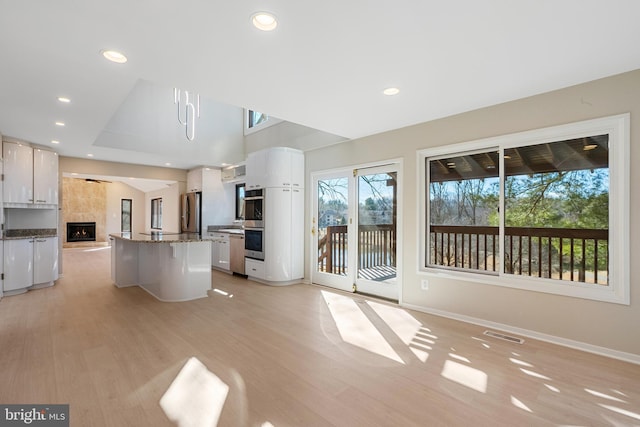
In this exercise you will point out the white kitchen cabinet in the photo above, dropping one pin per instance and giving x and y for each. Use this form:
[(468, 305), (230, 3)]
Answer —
[(220, 251), (29, 262), (194, 180), (45, 177), (256, 170), (18, 172), (18, 264), (30, 175), (275, 167), (254, 268), (284, 235), (45, 260)]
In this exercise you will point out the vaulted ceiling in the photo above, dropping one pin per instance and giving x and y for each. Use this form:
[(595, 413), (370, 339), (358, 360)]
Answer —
[(325, 66)]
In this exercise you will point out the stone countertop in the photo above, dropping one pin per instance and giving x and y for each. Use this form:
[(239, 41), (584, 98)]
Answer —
[(230, 229), (29, 233), (160, 237)]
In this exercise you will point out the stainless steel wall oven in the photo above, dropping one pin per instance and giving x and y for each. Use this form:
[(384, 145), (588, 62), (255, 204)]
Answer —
[(254, 243)]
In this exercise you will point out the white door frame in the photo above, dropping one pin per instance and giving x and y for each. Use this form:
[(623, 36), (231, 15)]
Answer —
[(348, 282)]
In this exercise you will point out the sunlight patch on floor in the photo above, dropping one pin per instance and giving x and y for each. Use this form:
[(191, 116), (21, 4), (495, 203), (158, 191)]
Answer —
[(604, 396), (465, 375), (621, 411), (518, 404), (552, 388), (521, 362), (355, 328), (196, 396), (535, 374), (223, 293), (405, 326)]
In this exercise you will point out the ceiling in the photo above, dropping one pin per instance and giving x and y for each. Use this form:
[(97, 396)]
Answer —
[(325, 66)]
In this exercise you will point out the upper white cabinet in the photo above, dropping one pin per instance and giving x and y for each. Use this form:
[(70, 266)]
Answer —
[(194, 180), (45, 177), (18, 172), (275, 167), (30, 175)]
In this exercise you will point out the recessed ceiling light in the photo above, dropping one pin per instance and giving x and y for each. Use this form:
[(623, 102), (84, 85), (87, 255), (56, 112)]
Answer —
[(89, 155), (264, 21), (167, 164), (53, 141), (64, 99), (61, 124), (74, 173), (590, 147), (114, 56), (390, 91)]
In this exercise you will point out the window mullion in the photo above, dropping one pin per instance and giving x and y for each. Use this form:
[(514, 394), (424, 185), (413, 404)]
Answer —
[(501, 212)]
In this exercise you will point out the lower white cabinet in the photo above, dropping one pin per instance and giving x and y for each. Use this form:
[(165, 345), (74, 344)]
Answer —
[(220, 251), (29, 262), (254, 268), (18, 264), (45, 260)]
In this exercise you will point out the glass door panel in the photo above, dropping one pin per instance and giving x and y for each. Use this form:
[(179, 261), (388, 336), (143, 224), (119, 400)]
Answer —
[(331, 247), (377, 231)]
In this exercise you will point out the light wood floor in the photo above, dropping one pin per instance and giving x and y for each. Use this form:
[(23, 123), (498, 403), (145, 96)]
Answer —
[(291, 356)]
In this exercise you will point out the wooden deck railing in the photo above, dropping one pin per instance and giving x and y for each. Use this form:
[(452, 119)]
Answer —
[(563, 253), (376, 247)]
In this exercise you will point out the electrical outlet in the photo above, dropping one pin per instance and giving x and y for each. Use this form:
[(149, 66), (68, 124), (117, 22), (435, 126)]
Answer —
[(424, 284)]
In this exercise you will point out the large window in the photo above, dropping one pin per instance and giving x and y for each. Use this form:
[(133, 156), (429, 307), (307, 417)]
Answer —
[(125, 215), (543, 210), (240, 201), (255, 118), (156, 213)]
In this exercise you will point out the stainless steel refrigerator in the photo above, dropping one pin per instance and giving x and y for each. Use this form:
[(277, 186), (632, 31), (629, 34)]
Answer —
[(191, 212)]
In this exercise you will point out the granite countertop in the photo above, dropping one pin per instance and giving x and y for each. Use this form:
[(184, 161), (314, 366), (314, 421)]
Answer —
[(29, 233), (230, 229), (160, 237)]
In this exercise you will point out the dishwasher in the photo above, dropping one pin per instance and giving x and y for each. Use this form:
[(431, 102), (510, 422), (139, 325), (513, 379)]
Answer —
[(236, 250)]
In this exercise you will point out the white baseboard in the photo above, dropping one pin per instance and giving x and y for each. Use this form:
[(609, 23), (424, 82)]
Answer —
[(590, 348)]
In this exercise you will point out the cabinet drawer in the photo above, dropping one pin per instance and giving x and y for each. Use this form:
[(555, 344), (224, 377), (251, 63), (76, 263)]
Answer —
[(254, 268)]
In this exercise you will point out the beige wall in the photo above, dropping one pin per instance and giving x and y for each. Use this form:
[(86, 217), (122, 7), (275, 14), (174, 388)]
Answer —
[(117, 191), (594, 323), (170, 208), (97, 167)]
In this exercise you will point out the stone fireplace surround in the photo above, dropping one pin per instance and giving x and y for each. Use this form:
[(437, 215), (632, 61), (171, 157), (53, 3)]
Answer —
[(84, 201)]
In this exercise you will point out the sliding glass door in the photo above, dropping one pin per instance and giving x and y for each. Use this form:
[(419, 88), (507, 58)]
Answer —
[(354, 230)]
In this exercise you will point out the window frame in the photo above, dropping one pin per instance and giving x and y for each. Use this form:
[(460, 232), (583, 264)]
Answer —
[(122, 201), (256, 128), (618, 128), (240, 201), (156, 213)]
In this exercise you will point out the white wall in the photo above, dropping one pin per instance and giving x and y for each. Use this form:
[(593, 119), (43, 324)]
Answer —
[(170, 208), (597, 324), (116, 191), (218, 200)]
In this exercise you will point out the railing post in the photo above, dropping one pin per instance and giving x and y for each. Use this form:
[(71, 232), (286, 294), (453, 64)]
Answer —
[(329, 258)]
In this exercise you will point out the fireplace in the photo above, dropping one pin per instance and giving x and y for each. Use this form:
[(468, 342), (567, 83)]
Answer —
[(81, 232)]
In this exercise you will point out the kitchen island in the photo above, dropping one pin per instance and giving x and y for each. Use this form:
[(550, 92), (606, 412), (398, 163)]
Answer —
[(170, 266)]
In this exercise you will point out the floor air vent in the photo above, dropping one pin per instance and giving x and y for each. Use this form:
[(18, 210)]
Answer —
[(504, 337)]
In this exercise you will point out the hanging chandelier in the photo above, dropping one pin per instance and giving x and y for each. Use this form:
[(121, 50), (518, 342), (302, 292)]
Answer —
[(191, 111)]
